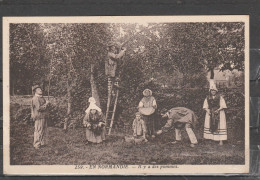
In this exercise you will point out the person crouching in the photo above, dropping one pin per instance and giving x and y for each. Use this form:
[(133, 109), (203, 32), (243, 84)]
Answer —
[(180, 118), (94, 123)]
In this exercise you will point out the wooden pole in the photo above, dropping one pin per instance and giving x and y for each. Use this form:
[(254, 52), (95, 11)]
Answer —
[(49, 83), (212, 73), (114, 110), (108, 101)]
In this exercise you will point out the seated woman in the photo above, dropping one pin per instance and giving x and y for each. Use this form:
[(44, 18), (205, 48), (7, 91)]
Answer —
[(94, 123)]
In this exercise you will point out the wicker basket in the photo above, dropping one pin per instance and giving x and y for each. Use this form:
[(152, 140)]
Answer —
[(129, 139), (138, 140)]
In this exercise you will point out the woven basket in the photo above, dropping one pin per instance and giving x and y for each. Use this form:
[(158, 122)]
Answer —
[(138, 140), (129, 139), (146, 111)]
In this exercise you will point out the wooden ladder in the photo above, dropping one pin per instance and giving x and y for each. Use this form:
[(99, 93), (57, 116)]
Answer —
[(108, 112), (110, 115)]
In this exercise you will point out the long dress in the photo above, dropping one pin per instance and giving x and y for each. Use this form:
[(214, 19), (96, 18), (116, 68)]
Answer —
[(215, 126), (94, 133), (149, 119)]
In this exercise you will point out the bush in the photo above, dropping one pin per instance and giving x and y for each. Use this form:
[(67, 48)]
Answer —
[(129, 98), (20, 113)]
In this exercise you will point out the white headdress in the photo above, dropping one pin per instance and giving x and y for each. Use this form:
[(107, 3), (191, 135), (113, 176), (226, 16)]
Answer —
[(147, 92), (212, 85), (92, 100), (92, 105)]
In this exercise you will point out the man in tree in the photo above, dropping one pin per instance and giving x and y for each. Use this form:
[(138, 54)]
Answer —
[(38, 113), (112, 61)]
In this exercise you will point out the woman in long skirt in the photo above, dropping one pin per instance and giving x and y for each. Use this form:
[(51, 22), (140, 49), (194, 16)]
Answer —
[(94, 123), (148, 101), (215, 127)]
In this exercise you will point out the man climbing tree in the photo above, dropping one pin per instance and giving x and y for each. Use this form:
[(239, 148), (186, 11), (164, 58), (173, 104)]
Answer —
[(111, 63), (114, 54)]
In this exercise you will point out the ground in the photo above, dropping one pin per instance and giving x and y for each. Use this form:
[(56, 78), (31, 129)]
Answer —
[(69, 148)]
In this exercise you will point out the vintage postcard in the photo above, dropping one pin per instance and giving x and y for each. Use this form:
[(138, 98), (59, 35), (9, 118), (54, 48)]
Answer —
[(126, 95)]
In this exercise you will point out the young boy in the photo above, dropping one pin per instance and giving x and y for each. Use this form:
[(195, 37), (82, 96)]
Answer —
[(139, 128), (38, 112)]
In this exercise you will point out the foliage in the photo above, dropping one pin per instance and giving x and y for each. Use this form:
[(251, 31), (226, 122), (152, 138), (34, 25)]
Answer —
[(157, 54), (27, 54)]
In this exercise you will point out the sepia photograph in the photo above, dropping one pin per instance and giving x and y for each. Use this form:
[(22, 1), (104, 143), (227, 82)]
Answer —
[(151, 95)]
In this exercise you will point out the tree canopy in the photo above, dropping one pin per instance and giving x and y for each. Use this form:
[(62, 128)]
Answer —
[(62, 55)]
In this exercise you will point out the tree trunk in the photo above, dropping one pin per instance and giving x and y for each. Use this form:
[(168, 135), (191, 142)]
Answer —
[(68, 105), (212, 73), (94, 90), (69, 100), (185, 80), (29, 90)]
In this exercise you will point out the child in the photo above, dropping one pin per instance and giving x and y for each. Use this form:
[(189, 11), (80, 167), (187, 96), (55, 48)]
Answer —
[(139, 128)]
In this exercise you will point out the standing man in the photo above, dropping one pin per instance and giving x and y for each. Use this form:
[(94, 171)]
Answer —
[(38, 110), (180, 118), (112, 61)]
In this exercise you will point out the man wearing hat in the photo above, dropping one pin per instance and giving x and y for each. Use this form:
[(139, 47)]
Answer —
[(38, 113), (112, 61)]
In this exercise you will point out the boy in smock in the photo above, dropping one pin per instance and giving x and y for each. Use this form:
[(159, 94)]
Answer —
[(139, 128)]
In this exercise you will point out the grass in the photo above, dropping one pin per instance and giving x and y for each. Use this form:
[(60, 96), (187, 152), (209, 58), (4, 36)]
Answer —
[(70, 149)]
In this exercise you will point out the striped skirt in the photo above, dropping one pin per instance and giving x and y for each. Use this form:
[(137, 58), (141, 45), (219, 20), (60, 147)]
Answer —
[(221, 133)]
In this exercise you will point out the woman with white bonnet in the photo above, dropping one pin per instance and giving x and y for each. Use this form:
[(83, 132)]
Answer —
[(215, 126), (94, 123), (147, 107)]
